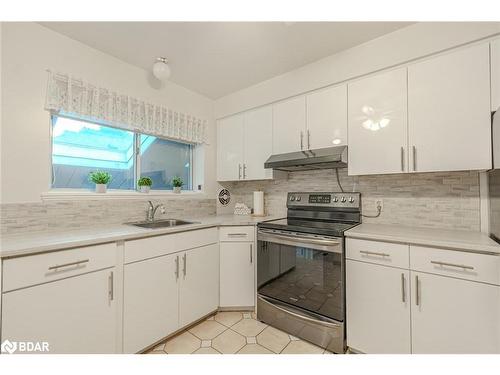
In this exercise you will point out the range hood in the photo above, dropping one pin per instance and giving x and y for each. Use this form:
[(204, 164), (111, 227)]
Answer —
[(322, 158)]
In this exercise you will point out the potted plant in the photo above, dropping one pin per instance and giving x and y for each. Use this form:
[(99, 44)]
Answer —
[(101, 180), (177, 182), (145, 184)]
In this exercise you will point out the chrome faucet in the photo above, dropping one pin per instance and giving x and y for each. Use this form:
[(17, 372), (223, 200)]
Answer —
[(152, 211)]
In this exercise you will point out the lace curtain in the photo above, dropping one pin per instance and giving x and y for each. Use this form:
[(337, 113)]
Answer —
[(82, 100)]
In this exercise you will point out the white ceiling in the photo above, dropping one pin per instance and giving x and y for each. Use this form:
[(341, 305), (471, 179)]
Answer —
[(218, 58)]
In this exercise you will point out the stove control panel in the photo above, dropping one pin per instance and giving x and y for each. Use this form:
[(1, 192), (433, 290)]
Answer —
[(336, 199)]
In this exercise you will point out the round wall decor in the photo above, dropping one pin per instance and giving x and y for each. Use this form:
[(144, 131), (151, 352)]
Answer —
[(224, 197)]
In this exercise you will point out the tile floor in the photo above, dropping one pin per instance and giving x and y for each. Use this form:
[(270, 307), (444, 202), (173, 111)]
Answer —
[(235, 333)]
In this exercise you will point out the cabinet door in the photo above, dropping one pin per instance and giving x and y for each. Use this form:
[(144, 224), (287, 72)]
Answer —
[(378, 308), (151, 307), (454, 316), (449, 111), (495, 75), (327, 117), (378, 124), (74, 315), (230, 148), (258, 143), (289, 125), (237, 274), (199, 287)]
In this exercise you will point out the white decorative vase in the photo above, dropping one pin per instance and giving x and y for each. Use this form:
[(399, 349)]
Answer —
[(177, 189), (100, 188), (145, 189)]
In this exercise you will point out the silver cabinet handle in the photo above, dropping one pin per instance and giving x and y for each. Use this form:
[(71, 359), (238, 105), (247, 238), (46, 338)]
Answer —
[(236, 234), (417, 294), (185, 264), (78, 262), (308, 139), (414, 158), (374, 253), (402, 159), (239, 171), (403, 288), (301, 140), (251, 253), (452, 265), (111, 287), (244, 170), (177, 267)]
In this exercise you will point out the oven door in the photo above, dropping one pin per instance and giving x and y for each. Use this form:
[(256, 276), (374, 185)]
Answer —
[(302, 270)]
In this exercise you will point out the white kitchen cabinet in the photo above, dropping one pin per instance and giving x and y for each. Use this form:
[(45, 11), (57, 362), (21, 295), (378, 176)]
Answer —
[(237, 274), (326, 117), (378, 308), (377, 113), (74, 315), (495, 75), (151, 301), (449, 111), (258, 143), (230, 154), (454, 316), (199, 283), (289, 125)]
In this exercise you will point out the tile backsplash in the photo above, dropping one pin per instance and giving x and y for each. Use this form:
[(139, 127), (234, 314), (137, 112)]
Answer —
[(439, 200), (60, 215)]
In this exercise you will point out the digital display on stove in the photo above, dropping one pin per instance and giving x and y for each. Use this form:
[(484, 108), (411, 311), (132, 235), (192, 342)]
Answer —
[(320, 198)]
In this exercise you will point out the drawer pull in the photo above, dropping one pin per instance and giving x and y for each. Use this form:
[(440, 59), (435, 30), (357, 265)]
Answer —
[(78, 262), (417, 293), (403, 288), (111, 290), (452, 265), (236, 234), (374, 253)]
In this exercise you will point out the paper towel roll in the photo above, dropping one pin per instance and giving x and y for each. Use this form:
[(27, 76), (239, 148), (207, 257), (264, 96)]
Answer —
[(258, 203)]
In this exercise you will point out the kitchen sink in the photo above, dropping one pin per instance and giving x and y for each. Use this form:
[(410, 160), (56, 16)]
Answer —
[(166, 223)]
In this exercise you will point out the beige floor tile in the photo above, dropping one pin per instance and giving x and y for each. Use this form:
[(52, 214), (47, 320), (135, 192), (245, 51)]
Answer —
[(273, 339), (228, 342), (251, 340), (228, 318), (249, 327), (206, 351), (156, 352), (302, 347), (184, 343), (247, 315), (254, 349), (160, 347), (254, 315), (206, 343), (207, 330), (293, 338)]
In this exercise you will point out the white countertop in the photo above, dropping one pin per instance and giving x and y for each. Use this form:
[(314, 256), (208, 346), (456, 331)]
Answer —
[(442, 238), (37, 242)]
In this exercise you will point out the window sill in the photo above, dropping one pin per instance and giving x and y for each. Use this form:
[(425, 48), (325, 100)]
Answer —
[(77, 194)]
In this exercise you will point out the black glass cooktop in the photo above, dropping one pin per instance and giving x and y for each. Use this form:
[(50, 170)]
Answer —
[(329, 228)]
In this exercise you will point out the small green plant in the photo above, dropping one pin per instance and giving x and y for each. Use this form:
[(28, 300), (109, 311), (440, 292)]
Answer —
[(100, 177), (177, 181), (145, 181)]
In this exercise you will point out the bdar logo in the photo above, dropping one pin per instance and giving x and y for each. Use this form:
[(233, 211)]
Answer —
[(8, 347)]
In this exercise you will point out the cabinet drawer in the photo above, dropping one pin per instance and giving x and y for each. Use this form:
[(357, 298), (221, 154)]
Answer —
[(468, 266), (386, 253), (237, 234), (37, 269), (151, 247)]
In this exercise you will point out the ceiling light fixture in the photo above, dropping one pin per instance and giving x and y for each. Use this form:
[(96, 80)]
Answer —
[(161, 70)]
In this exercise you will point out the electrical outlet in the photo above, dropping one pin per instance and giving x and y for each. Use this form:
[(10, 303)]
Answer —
[(379, 203)]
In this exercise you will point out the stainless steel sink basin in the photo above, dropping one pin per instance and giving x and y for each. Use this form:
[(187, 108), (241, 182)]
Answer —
[(166, 223)]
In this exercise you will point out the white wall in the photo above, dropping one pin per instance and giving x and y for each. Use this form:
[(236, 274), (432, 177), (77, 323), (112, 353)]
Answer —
[(398, 47), (28, 50)]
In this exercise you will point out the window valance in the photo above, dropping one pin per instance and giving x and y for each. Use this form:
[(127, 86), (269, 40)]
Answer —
[(82, 100)]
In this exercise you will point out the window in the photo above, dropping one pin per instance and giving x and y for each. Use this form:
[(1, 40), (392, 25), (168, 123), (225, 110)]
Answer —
[(79, 147)]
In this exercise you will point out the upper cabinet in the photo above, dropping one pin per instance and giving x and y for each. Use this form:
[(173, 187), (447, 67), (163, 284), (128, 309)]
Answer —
[(244, 143), (378, 124), (449, 111), (327, 117), (289, 125), (495, 75)]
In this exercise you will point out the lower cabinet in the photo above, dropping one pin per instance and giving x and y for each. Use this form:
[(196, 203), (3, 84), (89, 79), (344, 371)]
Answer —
[(378, 308), (73, 315), (237, 274)]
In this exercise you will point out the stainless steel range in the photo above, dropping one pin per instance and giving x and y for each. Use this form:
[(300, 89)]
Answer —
[(301, 267)]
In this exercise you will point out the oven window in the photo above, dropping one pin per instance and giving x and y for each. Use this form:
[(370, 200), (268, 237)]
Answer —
[(306, 278)]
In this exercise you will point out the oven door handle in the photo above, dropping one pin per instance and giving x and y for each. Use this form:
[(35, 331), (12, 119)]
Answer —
[(334, 246)]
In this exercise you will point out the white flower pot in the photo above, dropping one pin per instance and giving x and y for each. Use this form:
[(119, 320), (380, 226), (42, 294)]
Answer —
[(177, 189), (100, 188), (145, 189)]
